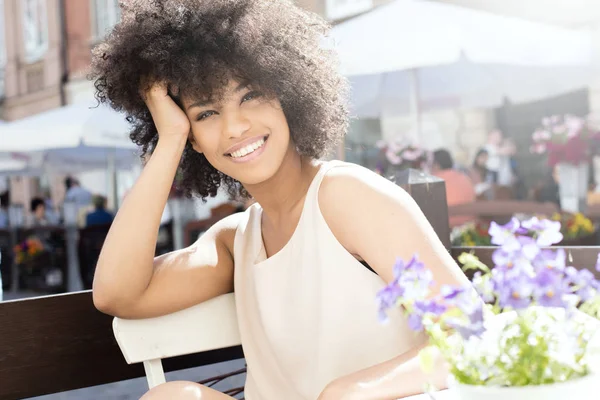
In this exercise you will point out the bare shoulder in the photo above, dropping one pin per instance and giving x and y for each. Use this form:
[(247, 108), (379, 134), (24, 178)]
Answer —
[(349, 186), (223, 232), (352, 197)]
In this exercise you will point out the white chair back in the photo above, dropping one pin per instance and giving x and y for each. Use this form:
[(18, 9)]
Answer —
[(208, 326)]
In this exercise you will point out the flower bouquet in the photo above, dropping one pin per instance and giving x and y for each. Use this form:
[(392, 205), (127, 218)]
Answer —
[(567, 139), (522, 330), (396, 155), (28, 250)]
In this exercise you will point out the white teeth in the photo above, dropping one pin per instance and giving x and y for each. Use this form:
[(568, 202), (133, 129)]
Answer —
[(244, 151)]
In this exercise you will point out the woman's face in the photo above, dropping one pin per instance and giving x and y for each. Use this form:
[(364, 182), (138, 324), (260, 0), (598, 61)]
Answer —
[(245, 135)]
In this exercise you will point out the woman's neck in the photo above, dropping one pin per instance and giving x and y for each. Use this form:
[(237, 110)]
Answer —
[(283, 191)]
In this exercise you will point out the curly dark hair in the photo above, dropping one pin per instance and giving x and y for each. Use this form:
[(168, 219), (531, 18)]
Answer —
[(198, 45)]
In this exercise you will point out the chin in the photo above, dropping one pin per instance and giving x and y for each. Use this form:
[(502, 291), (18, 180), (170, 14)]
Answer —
[(256, 174)]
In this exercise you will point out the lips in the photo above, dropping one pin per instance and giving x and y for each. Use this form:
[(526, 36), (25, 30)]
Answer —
[(246, 147)]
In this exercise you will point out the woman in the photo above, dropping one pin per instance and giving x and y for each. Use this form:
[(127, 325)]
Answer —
[(239, 93), (479, 172)]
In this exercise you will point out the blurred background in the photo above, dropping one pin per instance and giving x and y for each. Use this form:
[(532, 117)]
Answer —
[(500, 98)]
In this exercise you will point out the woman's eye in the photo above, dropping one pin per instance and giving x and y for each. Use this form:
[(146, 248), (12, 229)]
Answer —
[(204, 115), (251, 95)]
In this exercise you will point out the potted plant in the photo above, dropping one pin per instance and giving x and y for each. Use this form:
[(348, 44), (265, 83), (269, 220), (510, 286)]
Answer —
[(471, 234), (577, 229), (519, 331)]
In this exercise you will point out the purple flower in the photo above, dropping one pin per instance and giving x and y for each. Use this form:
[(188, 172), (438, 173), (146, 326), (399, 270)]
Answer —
[(472, 326), (547, 231), (463, 298), (415, 322), (400, 267), (578, 277), (584, 284), (502, 258), (529, 248), (504, 235), (552, 259), (515, 292), (550, 288), (511, 263), (420, 309), (414, 279), (388, 298), (411, 282)]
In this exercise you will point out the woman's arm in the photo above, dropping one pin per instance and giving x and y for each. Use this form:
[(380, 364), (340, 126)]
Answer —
[(397, 378), (379, 221), (128, 281)]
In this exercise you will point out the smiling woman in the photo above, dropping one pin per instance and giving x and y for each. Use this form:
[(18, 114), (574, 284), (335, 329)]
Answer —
[(239, 93), (199, 46)]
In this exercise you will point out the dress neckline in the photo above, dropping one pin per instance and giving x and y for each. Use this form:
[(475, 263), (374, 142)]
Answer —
[(262, 253)]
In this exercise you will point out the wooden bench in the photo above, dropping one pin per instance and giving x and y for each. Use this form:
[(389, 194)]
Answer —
[(59, 343)]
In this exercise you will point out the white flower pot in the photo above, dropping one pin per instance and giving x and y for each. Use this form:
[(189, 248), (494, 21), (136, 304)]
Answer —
[(586, 388), (573, 186)]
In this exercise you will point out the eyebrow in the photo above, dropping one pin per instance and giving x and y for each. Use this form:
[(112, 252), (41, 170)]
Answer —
[(205, 102)]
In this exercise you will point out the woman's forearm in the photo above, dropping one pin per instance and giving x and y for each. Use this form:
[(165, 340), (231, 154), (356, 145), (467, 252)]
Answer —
[(397, 378)]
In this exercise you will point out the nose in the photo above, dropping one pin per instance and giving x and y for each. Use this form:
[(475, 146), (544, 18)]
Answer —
[(235, 124)]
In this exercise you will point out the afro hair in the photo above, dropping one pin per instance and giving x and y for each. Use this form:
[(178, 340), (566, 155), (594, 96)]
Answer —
[(198, 45)]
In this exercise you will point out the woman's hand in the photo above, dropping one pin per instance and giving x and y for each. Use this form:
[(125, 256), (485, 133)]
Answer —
[(170, 120)]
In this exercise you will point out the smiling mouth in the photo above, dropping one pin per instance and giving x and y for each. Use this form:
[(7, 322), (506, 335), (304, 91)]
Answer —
[(249, 149)]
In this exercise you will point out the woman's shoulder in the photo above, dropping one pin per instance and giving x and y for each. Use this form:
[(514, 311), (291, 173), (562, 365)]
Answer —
[(353, 189)]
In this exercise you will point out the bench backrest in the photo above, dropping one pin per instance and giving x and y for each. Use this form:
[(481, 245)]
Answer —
[(208, 326)]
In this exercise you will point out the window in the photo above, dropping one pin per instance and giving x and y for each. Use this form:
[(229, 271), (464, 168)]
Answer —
[(338, 9), (35, 29), (105, 15)]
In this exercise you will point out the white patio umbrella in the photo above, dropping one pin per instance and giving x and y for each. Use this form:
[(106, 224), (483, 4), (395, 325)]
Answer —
[(85, 128), (74, 138), (411, 55)]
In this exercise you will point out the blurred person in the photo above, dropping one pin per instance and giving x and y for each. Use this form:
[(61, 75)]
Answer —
[(459, 187), (229, 94), (479, 172), (52, 215), (77, 194), (99, 216), (38, 212), (480, 175), (4, 203), (500, 150)]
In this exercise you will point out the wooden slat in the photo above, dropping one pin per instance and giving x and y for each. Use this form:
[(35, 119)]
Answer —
[(502, 208), (58, 343), (579, 257)]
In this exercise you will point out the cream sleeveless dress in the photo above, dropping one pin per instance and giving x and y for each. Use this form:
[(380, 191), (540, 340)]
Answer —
[(308, 315)]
